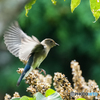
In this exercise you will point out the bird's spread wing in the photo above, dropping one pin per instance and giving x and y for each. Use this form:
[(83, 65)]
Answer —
[(35, 39), (27, 48), (18, 43)]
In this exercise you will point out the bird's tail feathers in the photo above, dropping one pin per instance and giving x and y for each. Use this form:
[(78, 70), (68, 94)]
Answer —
[(28, 72), (20, 78), (25, 73)]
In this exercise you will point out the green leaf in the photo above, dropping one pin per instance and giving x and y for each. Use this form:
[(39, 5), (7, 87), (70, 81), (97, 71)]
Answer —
[(26, 98), (29, 98), (54, 96), (95, 8), (74, 4), (39, 96), (49, 92), (34, 98), (80, 99), (15, 99), (28, 6)]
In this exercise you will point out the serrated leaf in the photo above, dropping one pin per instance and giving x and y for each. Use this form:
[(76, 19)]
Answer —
[(80, 99), (15, 99), (95, 8), (49, 92), (28, 6), (39, 96), (54, 96), (54, 2), (74, 4)]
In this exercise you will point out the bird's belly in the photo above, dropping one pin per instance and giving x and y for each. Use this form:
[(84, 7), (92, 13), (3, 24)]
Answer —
[(37, 62)]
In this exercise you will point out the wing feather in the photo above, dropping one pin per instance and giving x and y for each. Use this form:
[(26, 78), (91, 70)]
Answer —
[(18, 43), (26, 49)]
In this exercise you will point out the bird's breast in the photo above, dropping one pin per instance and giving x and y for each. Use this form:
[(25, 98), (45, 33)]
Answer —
[(38, 58)]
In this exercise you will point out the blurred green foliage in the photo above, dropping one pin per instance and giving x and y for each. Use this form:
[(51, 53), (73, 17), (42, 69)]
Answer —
[(78, 36)]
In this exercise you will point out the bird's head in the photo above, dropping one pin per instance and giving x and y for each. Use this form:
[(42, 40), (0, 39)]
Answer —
[(49, 42)]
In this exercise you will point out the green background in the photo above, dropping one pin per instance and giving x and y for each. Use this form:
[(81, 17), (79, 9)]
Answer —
[(77, 35)]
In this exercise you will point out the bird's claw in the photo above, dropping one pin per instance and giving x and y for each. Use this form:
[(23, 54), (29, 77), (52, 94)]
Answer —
[(41, 70)]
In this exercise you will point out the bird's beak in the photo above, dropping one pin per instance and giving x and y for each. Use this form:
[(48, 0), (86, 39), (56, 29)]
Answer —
[(57, 44)]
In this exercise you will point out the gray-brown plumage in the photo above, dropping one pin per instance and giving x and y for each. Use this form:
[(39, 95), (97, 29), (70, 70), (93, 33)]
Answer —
[(29, 50)]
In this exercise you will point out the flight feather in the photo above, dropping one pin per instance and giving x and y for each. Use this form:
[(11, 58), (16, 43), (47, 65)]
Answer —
[(18, 43)]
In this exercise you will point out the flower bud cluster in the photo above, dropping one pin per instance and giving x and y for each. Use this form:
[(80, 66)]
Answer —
[(80, 85), (62, 85), (37, 82), (8, 97)]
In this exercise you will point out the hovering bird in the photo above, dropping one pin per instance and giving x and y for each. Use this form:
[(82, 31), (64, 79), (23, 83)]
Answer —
[(29, 50)]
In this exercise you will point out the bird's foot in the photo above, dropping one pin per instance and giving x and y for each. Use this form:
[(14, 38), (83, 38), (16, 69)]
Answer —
[(41, 70)]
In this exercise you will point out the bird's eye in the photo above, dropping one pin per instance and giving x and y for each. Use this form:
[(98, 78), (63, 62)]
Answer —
[(51, 41)]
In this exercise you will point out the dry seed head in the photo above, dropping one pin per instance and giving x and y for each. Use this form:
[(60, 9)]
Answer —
[(7, 97), (38, 82), (31, 89), (48, 79), (20, 70), (16, 94), (62, 85)]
